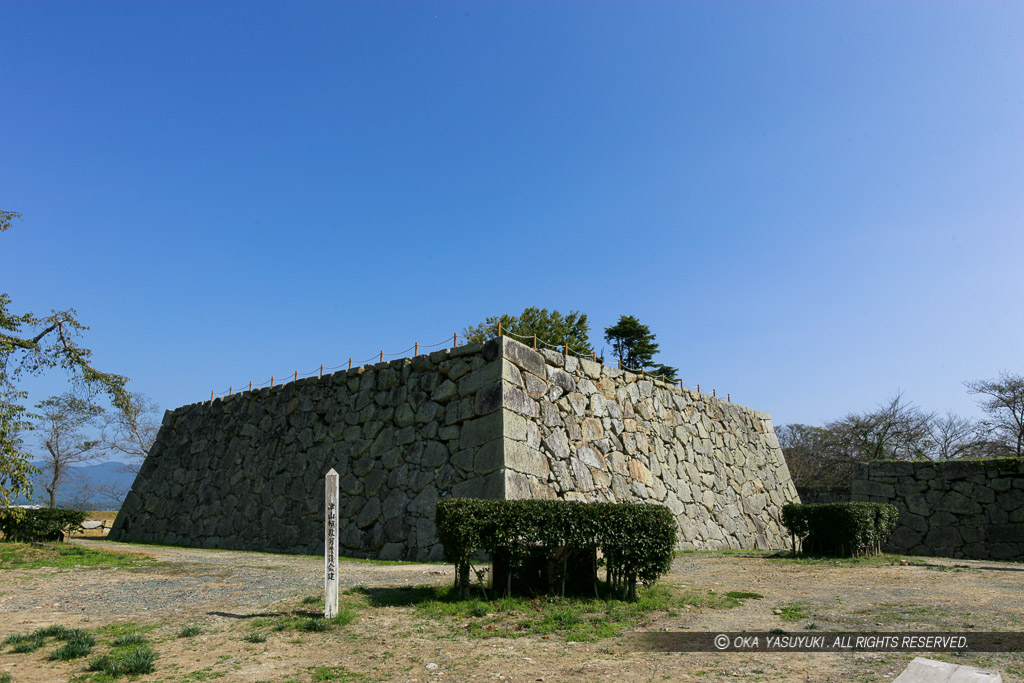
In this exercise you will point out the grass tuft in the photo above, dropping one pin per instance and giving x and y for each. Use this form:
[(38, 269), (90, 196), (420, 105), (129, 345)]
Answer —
[(255, 637), (32, 644), (128, 639), (189, 632), (73, 649), (314, 625), (138, 661)]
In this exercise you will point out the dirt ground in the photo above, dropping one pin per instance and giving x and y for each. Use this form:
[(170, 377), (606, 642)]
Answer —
[(225, 592)]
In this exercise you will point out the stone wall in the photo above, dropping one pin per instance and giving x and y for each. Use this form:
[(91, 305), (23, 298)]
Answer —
[(247, 471), (809, 495), (962, 508), (577, 430), (497, 420)]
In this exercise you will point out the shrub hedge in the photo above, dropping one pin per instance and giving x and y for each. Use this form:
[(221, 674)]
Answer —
[(843, 529), (45, 524), (637, 540)]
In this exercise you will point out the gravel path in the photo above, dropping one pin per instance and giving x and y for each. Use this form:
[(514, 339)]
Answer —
[(185, 581)]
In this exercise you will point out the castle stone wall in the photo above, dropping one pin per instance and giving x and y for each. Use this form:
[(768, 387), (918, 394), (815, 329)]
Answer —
[(962, 508), (577, 430), (247, 471), (494, 420)]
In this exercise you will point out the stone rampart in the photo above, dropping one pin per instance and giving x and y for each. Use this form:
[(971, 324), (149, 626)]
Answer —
[(810, 495), (247, 471), (494, 420), (961, 508), (578, 430)]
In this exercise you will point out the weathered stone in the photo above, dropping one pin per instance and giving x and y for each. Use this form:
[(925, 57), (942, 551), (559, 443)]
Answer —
[(524, 357), (581, 475), (481, 430), (867, 487), (521, 458), (592, 429), (369, 513), (518, 401), (445, 392), (958, 503)]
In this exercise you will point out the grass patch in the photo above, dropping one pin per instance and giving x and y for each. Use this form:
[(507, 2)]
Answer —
[(73, 649), (712, 600), (139, 660), (793, 611), (880, 560), (29, 644), (336, 673), (77, 643), (305, 620), (573, 618), (190, 632), (741, 595), (128, 639), (32, 556), (255, 637)]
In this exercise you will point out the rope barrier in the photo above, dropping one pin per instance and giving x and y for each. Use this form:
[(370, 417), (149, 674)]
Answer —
[(564, 348)]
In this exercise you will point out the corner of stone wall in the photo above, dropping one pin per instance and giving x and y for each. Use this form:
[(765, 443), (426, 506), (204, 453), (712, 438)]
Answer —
[(577, 430)]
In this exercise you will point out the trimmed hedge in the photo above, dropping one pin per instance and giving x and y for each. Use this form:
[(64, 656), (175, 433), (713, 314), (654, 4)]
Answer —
[(637, 540), (841, 529), (44, 524)]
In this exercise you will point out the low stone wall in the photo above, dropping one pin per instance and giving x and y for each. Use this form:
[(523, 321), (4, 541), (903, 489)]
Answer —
[(577, 430), (809, 495), (962, 508)]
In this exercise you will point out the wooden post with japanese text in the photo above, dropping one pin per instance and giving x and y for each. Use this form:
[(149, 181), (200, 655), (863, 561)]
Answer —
[(331, 545)]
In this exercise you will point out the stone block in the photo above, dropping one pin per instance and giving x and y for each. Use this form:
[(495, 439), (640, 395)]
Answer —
[(943, 537), (523, 356), (1005, 533), (1011, 500), (521, 458), (491, 486), (517, 486), (561, 379), (868, 487), (957, 503), (518, 401), (481, 430), (489, 457), (488, 375), (514, 427)]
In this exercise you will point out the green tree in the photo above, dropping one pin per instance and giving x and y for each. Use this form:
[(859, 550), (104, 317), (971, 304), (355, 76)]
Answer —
[(60, 423), (31, 345), (634, 346), (1003, 400), (552, 328)]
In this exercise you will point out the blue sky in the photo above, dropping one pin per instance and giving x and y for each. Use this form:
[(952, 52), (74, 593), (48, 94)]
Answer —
[(813, 205)]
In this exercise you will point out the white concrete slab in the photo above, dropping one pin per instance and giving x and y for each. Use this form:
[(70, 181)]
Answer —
[(923, 670)]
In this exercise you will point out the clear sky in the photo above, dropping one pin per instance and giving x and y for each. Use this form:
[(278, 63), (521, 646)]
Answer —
[(813, 205)]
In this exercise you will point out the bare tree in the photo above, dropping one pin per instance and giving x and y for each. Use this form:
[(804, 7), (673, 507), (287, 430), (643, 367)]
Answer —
[(896, 431), (60, 424), (1003, 400), (814, 457), (127, 434), (955, 437)]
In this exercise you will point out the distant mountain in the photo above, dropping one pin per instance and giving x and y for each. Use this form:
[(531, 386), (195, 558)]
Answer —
[(89, 487)]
